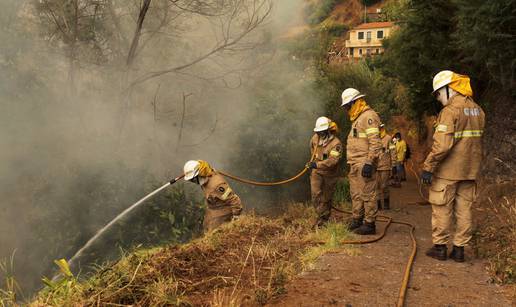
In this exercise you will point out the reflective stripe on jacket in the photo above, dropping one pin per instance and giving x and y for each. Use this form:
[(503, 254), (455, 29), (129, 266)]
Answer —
[(327, 155), (219, 195), (363, 143), (456, 152)]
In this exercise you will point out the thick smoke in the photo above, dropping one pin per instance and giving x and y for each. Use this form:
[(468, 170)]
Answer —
[(84, 135)]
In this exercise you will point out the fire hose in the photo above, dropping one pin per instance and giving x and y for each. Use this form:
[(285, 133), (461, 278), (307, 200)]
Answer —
[(387, 219)]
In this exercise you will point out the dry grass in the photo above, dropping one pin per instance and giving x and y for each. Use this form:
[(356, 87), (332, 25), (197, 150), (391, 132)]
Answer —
[(495, 236), (246, 262)]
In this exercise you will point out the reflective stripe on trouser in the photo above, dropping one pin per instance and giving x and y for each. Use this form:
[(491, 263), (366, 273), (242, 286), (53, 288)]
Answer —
[(363, 194), (451, 200), (213, 218), (382, 185), (322, 188)]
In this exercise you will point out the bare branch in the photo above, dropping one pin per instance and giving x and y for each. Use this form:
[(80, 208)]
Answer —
[(254, 22), (137, 32), (182, 123)]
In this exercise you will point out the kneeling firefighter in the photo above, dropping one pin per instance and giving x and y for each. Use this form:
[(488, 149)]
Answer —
[(363, 150), (326, 150), (222, 204)]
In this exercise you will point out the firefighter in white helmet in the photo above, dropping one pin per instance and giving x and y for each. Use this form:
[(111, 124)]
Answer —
[(364, 147), (453, 163), (326, 149), (222, 204)]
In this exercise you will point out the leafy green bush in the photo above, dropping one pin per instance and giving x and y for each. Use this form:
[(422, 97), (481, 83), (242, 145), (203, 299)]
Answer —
[(337, 29), (342, 192), (486, 37)]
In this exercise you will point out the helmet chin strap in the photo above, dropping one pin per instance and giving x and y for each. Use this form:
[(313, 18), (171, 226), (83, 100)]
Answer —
[(447, 93)]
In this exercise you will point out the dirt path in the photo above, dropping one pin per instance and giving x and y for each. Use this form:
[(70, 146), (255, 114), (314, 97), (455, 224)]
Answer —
[(372, 276)]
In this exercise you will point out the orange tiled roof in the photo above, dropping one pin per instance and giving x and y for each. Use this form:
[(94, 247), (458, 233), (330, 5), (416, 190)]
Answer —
[(372, 25)]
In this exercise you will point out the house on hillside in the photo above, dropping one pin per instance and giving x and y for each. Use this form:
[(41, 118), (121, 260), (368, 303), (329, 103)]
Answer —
[(373, 13), (366, 39)]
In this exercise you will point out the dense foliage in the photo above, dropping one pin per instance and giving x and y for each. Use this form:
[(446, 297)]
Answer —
[(476, 38)]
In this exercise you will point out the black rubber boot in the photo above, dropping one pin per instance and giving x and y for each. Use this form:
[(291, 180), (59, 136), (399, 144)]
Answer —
[(438, 251), (457, 253), (379, 204), (386, 204), (366, 229), (354, 224)]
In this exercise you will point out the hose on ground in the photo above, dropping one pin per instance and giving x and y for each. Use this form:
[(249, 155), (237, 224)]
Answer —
[(383, 218), (408, 268), (418, 180)]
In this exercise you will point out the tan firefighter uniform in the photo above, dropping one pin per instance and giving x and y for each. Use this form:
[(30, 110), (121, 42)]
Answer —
[(386, 161), (455, 161), (327, 153), (221, 202), (363, 147)]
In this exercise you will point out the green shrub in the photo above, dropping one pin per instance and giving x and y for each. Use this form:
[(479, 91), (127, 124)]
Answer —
[(342, 193)]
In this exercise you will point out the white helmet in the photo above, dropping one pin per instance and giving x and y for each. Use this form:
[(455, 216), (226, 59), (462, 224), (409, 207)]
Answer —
[(191, 169), (322, 124), (349, 95), (443, 78)]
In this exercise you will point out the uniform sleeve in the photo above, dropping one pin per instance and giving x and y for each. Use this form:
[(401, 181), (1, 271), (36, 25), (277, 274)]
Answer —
[(236, 204), (372, 130), (312, 145), (443, 140), (392, 152), (224, 194), (333, 158)]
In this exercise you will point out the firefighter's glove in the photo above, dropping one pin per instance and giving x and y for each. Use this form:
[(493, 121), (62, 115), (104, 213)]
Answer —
[(311, 165), (367, 171), (426, 177)]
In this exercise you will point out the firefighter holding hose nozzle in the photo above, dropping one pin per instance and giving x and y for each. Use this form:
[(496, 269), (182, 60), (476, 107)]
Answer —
[(326, 151), (222, 203)]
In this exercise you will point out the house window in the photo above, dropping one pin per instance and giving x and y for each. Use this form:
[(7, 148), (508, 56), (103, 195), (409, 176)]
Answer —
[(377, 51), (368, 36), (360, 51), (360, 35), (379, 34), (368, 51)]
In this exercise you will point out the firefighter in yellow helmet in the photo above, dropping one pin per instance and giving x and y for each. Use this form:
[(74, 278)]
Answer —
[(364, 147), (222, 204), (385, 163), (326, 149), (453, 163)]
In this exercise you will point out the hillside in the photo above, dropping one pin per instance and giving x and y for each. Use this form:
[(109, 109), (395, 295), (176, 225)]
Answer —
[(246, 262)]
